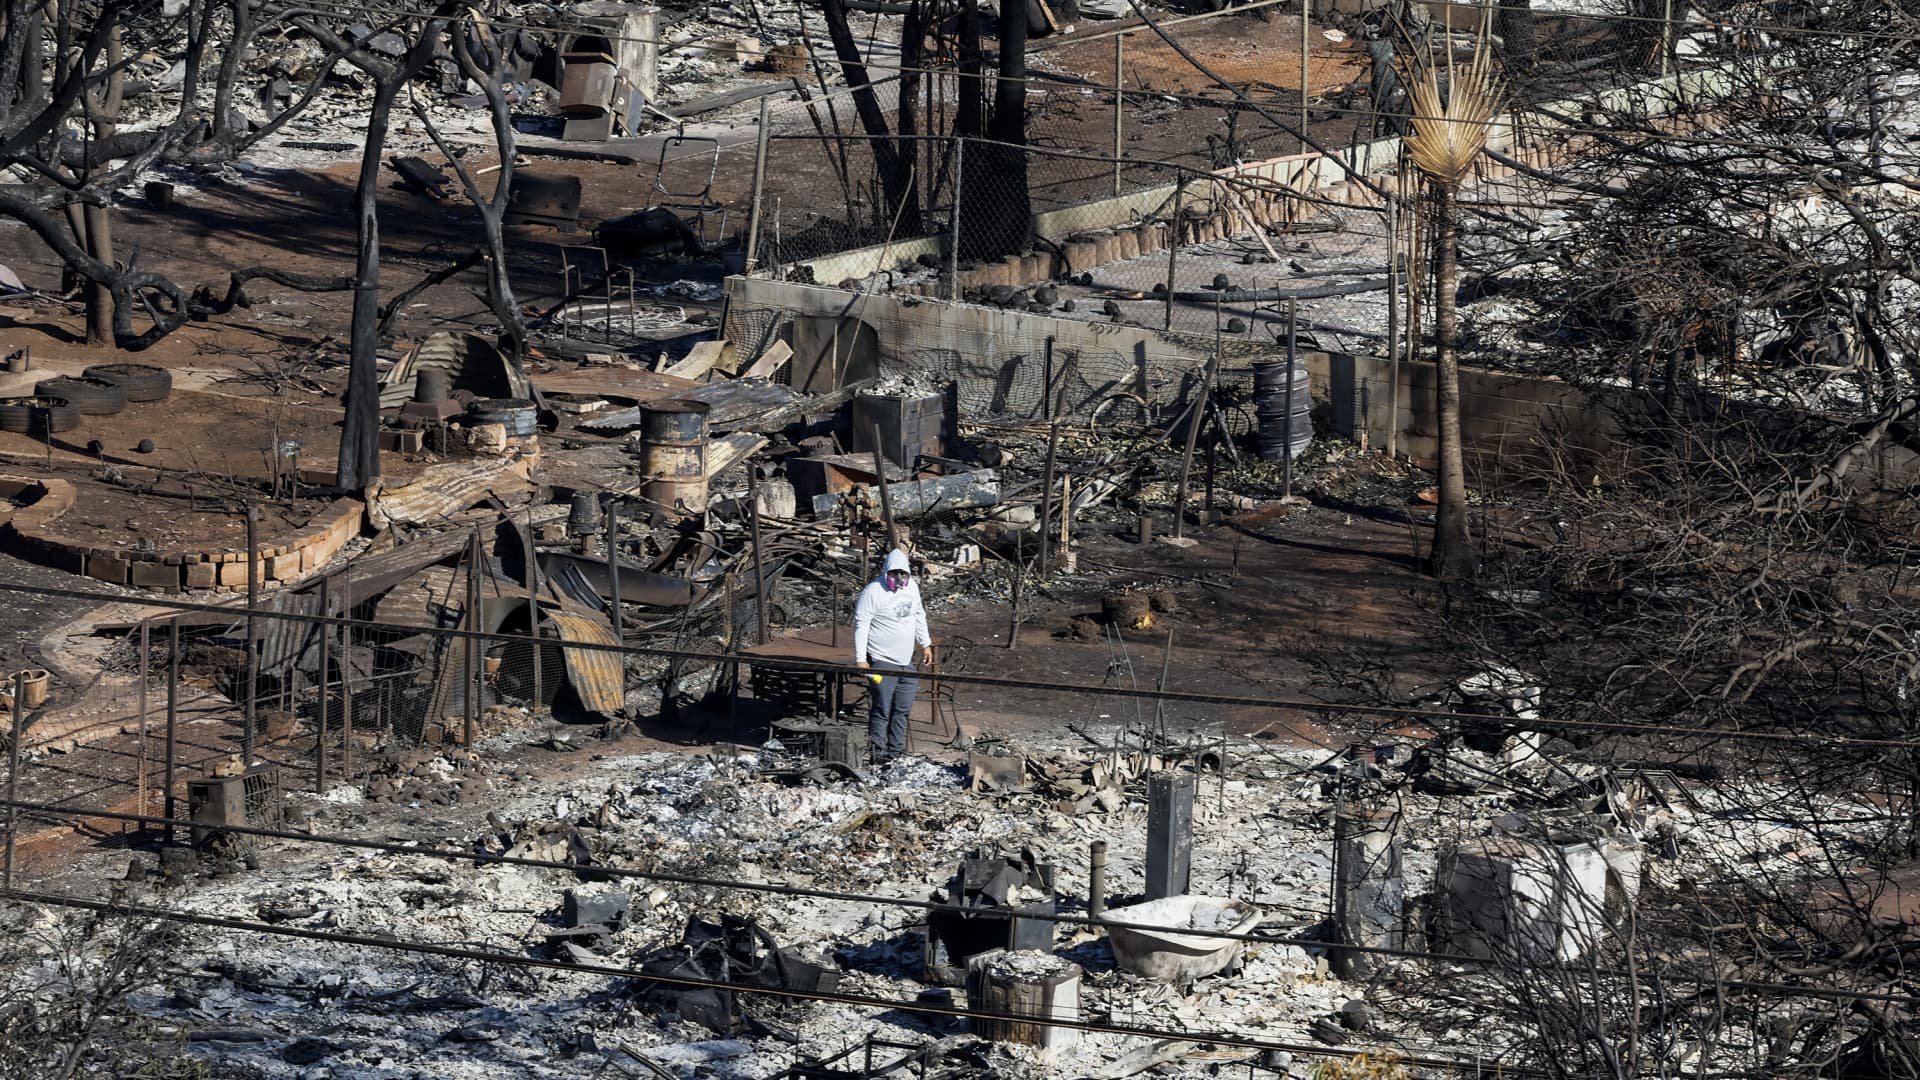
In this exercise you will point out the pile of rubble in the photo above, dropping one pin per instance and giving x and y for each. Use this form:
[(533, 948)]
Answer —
[(745, 906)]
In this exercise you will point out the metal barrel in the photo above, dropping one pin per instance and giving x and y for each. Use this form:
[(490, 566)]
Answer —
[(673, 455), (1270, 408), (520, 416)]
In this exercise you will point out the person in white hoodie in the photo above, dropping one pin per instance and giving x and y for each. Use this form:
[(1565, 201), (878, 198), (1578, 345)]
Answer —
[(889, 627)]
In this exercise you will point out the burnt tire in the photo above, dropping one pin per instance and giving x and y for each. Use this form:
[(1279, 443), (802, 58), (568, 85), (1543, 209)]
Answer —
[(142, 382), (38, 415), (92, 397)]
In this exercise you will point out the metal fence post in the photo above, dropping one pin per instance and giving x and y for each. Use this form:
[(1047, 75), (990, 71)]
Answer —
[(613, 569), (1173, 241), (249, 712), (140, 766), (759, 183), (953, 224), (1303, 75), (346, 676), (1046, 495), (533, 607), (1119, 103), (320, 721), (173, 717), (13, 772), (759, 571), (1286, 398), (472, 643)]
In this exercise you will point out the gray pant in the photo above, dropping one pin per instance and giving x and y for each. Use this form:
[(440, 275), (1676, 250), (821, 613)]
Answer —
[(889, 705)]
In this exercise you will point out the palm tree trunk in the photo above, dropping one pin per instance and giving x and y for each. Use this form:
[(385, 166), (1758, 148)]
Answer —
[(1452, 545)]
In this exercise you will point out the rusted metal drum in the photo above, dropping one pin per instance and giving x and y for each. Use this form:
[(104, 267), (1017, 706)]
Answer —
[(673, 455)]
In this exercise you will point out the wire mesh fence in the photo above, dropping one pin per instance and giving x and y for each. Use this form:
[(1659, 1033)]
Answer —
[(1236, 94), (320, 700)]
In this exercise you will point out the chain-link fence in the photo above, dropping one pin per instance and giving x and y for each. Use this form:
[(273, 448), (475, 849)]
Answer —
[(1114, 115)]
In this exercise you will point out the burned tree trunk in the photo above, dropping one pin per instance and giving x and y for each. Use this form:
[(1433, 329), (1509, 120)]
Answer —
[(359, 462), (472, 46), (894, 163), (93, 222), (996, 207)]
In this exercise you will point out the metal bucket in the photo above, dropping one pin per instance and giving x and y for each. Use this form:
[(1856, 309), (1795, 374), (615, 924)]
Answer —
[(1272, 412), (673, 455)]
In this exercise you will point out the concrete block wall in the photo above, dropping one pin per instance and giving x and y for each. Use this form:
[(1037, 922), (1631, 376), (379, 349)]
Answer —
[(34, 533), (1004, 348), (1505, 418)]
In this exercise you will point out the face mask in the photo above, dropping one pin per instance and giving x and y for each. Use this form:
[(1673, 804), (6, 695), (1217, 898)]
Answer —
[(893, 583)]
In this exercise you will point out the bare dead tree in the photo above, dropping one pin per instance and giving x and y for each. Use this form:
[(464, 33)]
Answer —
[(893, 160), (359, 461), (484, 58)]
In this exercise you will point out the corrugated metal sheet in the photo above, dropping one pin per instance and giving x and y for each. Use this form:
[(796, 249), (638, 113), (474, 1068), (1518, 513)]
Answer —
[(471, 363), (637, 584), (443, 490), (598, 676), (733, 405), (286, 643)]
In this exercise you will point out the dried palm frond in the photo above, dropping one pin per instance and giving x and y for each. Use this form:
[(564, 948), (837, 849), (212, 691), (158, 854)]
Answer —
[(1450, 130)]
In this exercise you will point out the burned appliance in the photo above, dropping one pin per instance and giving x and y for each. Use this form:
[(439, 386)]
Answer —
[(906, 426), (609, 68), (823, 740), (251, 799), (736, 954), (534, 199), (1001, 895)]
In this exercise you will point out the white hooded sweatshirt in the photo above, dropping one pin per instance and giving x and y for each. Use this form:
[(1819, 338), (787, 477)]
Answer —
[(888, 623)]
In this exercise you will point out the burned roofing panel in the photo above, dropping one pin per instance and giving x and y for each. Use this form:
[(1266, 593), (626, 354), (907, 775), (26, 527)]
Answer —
[(597, 675), (471, 362)]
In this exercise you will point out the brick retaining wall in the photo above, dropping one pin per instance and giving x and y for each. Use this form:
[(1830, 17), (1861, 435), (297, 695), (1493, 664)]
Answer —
[(34, 534)]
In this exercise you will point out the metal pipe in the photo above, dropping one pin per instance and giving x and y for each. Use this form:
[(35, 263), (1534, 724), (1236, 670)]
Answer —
[(1046, 403), (759, 183), (13, 772), (1195, 417), (320, 723), (1019, 571), (1046, 494), (472, 646), (613, 568), (1160, 704), (1286, 398), (173, 718), (248, 713), (1206, 512), (886, 500), (1096, 879), (759, 569)]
